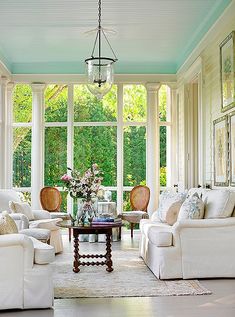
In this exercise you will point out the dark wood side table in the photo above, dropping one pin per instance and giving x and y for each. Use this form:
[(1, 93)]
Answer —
[(102, 229)]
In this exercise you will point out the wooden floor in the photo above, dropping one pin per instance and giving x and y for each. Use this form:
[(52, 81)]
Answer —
[(220, 304)]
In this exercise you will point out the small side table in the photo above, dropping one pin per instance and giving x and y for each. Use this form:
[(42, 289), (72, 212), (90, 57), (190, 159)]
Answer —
[(102, 229)]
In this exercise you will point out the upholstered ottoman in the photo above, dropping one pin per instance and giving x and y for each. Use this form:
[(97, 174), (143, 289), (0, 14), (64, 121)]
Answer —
[(42, 235), (43, 253)]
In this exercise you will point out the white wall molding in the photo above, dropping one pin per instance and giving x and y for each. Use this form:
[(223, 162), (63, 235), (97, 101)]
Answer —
[(76, 78), (193, 70), (172, 137), (153, 159)]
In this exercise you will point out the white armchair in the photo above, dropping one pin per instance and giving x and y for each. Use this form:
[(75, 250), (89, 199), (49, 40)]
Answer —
[(42, 219), (23, 284)]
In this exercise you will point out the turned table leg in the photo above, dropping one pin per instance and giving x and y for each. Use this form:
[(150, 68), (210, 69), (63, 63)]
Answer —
[(76, 252), (108, 255)]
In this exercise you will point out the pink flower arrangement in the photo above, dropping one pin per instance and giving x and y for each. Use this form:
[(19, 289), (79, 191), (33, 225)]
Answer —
[(85, 186), (66, 178)]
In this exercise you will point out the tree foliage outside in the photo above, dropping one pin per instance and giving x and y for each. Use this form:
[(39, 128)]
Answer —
[(134, 103), (92, 144), (87, 108)]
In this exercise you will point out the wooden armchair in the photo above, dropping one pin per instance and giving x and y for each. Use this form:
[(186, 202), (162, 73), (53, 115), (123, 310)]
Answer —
[(139, 199), (51, 200)]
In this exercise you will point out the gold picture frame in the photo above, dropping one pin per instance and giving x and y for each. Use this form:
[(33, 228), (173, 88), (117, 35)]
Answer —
[(221, 154), (227, 66), (232, 147)]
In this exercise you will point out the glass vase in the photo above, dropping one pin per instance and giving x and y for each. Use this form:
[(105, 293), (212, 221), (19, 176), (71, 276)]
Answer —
[(87, 210)]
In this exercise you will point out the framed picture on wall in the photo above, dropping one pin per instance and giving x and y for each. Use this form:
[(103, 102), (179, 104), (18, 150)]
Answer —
[(227, 58), (220, 145), (232, 147)]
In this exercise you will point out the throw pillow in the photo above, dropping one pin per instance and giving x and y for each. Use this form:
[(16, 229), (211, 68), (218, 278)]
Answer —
[(192, 208), (200, 191), (21, 208), (219, 203), (172, 212), (7, 224), (167, 199)]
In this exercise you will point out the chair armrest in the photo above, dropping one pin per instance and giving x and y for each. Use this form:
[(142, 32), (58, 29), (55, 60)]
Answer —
[(41, 214), (204, 223), (49, 224), (14, 240), (21, 220)]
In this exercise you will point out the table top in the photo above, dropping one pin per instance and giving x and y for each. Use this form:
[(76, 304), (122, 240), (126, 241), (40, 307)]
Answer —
[(68, 224)]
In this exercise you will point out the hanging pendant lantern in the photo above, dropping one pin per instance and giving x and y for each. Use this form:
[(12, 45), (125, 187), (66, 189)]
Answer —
[(99, 69)]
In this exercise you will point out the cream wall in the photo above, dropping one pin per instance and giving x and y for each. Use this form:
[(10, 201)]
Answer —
[(205, 62)]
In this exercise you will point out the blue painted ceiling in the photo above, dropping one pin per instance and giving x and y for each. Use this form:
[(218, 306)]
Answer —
[(151, 36)]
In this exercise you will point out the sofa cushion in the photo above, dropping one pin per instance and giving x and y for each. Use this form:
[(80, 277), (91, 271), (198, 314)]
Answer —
[(22, 208), (219, 203), (167, 199), (160, 237), (7, 224), (43, 253), (192, 208), (159, 225)]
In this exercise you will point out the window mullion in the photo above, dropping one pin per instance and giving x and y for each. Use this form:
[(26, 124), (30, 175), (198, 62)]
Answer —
[(120, 148), (70, 138)]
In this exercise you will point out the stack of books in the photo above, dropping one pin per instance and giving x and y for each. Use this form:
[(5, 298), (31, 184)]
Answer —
[(101, 221)]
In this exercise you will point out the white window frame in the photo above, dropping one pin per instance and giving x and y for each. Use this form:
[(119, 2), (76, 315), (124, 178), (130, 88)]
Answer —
[(120, 124), (12, 127)]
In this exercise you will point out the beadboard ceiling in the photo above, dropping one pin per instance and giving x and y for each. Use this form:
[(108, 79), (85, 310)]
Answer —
[(151, 36)]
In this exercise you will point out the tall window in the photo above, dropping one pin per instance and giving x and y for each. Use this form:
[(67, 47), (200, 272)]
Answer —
[(134, 138), (22, 137), (80, 130)]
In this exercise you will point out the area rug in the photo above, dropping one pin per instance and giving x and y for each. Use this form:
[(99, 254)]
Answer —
[(130, 278)]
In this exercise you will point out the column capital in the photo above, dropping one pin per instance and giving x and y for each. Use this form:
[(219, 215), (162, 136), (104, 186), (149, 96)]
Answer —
[(38, 87), (173, 85), (10, 86), (3, 80), (152, 87)]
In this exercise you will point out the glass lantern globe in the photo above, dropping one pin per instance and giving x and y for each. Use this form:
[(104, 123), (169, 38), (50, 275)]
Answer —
[(99, 75)]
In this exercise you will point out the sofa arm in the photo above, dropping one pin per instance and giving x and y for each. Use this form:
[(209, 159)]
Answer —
[(160, 238), (21, 220), (9, 241), (41, 214), (204, 223)]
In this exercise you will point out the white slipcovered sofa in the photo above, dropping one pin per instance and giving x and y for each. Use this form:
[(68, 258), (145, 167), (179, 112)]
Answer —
[(42, 219), (24, 282), (193, 248)]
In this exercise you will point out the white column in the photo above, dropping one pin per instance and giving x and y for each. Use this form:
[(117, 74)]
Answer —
[(5, 143), (3, 85), (37, 168), (9, 136), (172, 164), (153, 160)]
